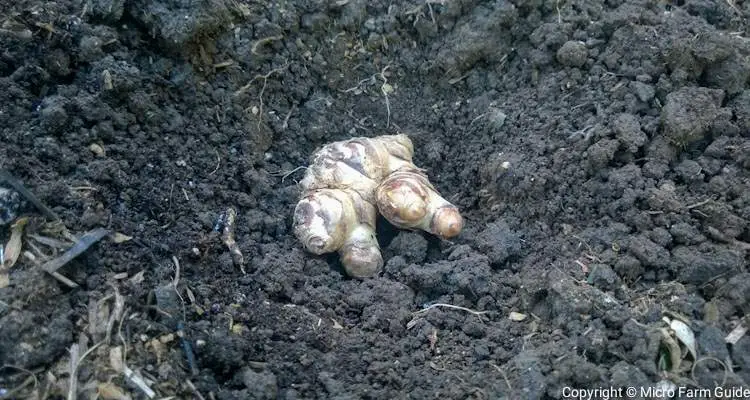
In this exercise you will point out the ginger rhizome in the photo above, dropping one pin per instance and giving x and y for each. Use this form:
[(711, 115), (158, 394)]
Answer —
[(346, 185)]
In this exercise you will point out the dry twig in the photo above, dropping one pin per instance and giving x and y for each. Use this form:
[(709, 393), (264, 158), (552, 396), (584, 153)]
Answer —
[(451, 306), (195, 390), (139, 382), (227, 236), (116, 314), (502, 372), (75, 362), (285, 175)]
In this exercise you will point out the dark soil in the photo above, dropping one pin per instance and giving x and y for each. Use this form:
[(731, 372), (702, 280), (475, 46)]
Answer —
[(599, 150)]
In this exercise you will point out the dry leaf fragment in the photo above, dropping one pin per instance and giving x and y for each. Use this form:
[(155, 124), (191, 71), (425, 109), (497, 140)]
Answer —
[(158, 348), (115, 358), (109, 391), (15, 244), (736, 334), (516, 316), (168, 338), (138, 278), (674, 353), (120, 276), (684, 334), (238, 329), (118, 237)]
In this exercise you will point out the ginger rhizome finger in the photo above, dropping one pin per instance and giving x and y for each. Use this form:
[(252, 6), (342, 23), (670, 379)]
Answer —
[(408, 200), (328, 220), (345, 186)]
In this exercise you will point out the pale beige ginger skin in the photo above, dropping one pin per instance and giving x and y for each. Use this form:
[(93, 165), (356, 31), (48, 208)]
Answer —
[(346, 185), (328, 220), (359, 164), (407, 199)]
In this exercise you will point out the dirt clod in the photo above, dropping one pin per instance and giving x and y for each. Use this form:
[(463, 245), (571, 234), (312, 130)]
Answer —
[(648, 252), (260, 385), (628, 132), (572, 54), (707, 262), (499, 243), (689, 113), (412, 246)]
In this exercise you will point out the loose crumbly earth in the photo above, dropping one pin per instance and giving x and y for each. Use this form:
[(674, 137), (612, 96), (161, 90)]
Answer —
[(599, 150)]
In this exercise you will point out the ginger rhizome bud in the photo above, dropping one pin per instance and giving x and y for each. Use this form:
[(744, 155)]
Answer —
[(407, 199), (346, 185)]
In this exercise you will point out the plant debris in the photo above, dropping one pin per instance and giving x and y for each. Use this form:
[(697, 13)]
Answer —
[(85, 241), (6, 177), (672, 354), (685, 335), (736, 334), (516, 316), (12, 250), (226, 224)]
